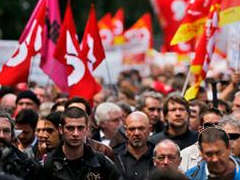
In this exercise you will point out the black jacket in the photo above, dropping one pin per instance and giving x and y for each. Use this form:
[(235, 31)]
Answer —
[(92, 166)]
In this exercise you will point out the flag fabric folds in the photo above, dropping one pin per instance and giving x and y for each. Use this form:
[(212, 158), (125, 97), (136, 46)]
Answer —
[(193, 22), (17, 68), (105, 30), (141, 31), (80, 79), (204, 50), (91, 45), (170, 14), (49, 65), (118, 27), (230, 12)]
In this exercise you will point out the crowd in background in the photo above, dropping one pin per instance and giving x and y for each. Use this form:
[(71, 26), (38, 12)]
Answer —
[(139, 129)]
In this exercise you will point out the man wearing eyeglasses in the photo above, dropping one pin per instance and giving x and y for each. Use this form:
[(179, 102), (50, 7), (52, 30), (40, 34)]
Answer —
[(166, 154), (232, 127), (217, 164)]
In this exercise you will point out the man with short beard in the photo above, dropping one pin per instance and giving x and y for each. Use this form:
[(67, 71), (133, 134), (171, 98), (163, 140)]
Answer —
[(176, 113), (134, 159)]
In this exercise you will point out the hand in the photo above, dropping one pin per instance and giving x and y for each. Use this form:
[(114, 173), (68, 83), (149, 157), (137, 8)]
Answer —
[(235, 78)]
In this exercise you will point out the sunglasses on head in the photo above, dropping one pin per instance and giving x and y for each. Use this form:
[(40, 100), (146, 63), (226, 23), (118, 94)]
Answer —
[(208, 124), (233, 136)]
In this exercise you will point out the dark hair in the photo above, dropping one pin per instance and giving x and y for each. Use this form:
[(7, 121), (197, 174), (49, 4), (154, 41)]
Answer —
[(178, 99), (209, 111), (10, 120), (27, 116), (73, 112), (167, 174), (54, 107), (79, 100), (125, 107), (211, 135), (54, 118)]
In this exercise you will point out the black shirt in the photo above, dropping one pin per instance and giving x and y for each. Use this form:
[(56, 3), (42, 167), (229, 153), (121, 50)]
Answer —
[(132, 168), (183, 140)]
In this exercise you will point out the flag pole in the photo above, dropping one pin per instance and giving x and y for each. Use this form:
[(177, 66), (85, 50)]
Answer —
[(186, 82)]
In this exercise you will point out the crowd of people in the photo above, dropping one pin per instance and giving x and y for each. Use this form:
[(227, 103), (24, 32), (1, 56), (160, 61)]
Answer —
[(140, 129)]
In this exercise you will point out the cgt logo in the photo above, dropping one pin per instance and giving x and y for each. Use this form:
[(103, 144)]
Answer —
[(93, 176)]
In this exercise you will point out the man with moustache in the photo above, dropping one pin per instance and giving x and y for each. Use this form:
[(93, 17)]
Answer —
[(134, 159), (176, 113)]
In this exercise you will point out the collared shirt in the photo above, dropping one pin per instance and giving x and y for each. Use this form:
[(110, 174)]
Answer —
[(132, 168), (236, 169)]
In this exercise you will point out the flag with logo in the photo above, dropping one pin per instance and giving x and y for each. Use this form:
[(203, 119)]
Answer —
[(118, 27), (105, 30), (193, 23), (204, 50), (49, 65), (80, 79), (17, 68)]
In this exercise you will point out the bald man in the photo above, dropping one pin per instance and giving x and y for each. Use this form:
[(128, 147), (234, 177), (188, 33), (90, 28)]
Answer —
[(166, 154), (134, 158)]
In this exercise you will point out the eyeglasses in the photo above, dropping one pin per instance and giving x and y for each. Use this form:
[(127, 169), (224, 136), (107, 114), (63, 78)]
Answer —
[(208, 124), (152, 109), (233, 136), (162, 157)]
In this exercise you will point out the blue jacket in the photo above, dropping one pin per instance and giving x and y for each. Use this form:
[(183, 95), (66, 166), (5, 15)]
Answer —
[(199, 172)]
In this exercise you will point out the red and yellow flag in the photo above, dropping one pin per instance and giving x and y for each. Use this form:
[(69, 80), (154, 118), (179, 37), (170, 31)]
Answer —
[(118, 27), (105, 29), (141, 31), (193, 22), (230, 12), (204, 50)]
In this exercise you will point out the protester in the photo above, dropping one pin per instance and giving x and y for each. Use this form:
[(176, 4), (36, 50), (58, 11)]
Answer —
[(217, 160), (27, 100), (13, 161), (232, 128), (26, 122), (47, 135), (176, 114), (74, 159), (166, 154), (150, 102), (109, 118), (134, 158), (191, 155)]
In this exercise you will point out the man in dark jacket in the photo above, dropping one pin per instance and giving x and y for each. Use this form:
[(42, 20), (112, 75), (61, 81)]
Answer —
[(176, 114), (74, 159)]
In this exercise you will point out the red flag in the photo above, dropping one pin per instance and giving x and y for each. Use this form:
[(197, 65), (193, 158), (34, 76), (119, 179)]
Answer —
[(193, 21), (170, 14), (80, 80), (48, 64), (118, 22), (118, 27), (205, 49), (141, 31), (91, 45), (105, 30), (18, 66), (230, 12)]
